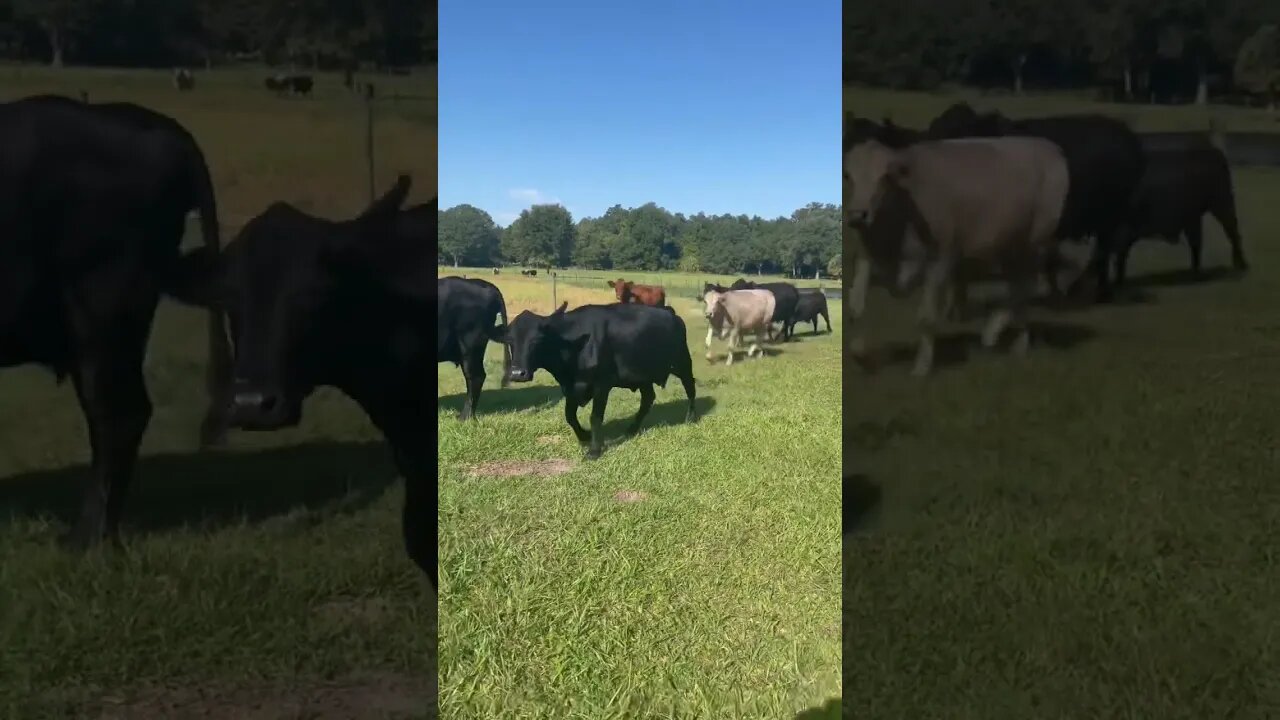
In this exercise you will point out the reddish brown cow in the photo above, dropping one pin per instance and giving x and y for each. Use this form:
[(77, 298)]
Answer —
[(627, 291)]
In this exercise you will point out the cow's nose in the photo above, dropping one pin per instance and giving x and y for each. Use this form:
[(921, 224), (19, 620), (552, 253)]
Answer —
[(519, 375), (859, 217), (255, 406)]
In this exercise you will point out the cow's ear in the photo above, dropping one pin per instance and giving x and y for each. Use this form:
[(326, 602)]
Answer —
[(560, 310), (610, 283), (379, 218), (197, 278)]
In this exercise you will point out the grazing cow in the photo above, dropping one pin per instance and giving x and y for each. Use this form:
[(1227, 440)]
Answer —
[(465, 314), (594, 348), (627, 291), (300, 84), (93, 202), (741, 311), (1180, 186), (495, 271), (785, 299), (316, 302), (183, 79), (993, 200), (1105, 161), (812, 303), (276, 83)]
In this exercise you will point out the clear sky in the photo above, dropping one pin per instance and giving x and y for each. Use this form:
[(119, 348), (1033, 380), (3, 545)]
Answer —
[(702, 105)]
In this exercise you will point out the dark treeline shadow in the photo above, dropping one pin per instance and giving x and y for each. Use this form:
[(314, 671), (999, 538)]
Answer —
[(218, 489)]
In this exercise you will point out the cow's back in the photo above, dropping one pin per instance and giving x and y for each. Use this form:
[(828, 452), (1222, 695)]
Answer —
[(982, 193), (749, 309)]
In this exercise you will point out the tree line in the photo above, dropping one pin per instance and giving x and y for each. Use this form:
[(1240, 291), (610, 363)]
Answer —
[(1136, 50), (323, 34), (646, 238)]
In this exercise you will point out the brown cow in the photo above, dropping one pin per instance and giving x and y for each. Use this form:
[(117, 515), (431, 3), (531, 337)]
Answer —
[(627, 291)]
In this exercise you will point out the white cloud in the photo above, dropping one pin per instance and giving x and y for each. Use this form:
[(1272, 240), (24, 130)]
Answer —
[(531, 196)]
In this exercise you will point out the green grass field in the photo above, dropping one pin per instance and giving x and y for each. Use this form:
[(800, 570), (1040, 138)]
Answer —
[(1091, 531), (691, 571), (268, 580)]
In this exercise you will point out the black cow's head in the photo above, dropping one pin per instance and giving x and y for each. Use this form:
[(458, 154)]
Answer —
[(538, 342), (300, 293)]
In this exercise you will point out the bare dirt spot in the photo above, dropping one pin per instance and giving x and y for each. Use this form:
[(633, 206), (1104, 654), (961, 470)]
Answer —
[(354, 611), (517, 468), (629, 496), (548, 439), (375, 696)]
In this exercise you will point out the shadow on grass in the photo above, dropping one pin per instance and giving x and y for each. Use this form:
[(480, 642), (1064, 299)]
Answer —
[(671, 412), (830, 710), (1178, 278), (953, 349), (859, 501), (218, 489), (497, 399)]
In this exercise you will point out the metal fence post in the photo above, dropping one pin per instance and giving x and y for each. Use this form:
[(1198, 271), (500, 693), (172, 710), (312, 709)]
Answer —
[(84, 96), (368, 138)]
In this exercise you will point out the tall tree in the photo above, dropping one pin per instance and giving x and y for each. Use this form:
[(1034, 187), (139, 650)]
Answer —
[(542, 236), (467, 234)]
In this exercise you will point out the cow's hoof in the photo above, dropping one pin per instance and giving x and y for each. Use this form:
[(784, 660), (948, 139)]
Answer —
[(593, 454)]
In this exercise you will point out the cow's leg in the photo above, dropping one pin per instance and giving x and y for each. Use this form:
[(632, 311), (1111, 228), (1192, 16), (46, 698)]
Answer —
[(858, 304), (418, 521), (935, 285), (1105, 245), (1195, 240), (1224, 210), (1122, 259), (113, 395), (1021, 288), (599, 401), (710, 333), (473, 372), (646, 402), (571, 417)]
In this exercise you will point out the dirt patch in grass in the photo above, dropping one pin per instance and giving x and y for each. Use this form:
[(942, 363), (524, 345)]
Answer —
[(629, 496), (373, 696), (548, 439), (355, 611), (517, 468)]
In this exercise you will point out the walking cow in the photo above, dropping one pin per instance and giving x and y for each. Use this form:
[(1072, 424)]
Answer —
[(739, 311), (465, 315), (923, 209), (595, 348), (627, 291), (812, 304), (785, 297)]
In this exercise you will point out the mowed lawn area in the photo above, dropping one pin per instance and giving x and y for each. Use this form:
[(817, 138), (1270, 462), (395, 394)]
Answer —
[(265, 580), (1091, 531), (691, 571)]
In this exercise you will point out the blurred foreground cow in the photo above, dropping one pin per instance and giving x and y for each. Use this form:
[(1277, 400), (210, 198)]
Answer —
[(924, 209), (627, 292), (340, 303), (465, 316), (739, 312), (1179, 187), (813, 303), (594, 348), (785, 298), (93, 205)]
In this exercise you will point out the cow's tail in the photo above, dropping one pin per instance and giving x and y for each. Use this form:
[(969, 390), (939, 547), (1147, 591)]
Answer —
[(506, 348), (218, 372)]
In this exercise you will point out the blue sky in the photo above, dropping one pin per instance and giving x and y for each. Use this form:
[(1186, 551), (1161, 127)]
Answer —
[(702, 105)]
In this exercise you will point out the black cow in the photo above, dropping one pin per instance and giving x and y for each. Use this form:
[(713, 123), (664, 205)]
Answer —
[(785, 298), (318, 302), (276, 83), (465, 313), (595, 348), (811, 304), (1105, 161), (1181, 185), (93, 206), (299, 84)]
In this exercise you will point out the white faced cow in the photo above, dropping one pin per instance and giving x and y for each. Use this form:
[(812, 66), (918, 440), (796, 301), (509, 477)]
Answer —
[(924, 209), (741, 311)]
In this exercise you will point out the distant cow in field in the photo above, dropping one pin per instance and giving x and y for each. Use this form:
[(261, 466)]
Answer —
[(629, 292), (595, 348), (465, 315), (987, 200), (785, 298), (183, 79), (529, 273), (495, 271), (741, 311), (340, 303), (294, 84), (1179, 187), (812, 303), (275, 83)]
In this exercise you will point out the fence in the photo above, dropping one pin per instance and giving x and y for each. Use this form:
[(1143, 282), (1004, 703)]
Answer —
[(675, 286)]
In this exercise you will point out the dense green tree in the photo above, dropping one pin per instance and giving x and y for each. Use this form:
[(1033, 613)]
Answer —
[(542, 236), (1258, 63), (467, 235)]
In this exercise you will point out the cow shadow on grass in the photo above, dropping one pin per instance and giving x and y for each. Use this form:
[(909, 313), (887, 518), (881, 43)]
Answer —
[(217, 489), (830, 710), (1184, 277), (859, 503), (499, 399), (957, 348)]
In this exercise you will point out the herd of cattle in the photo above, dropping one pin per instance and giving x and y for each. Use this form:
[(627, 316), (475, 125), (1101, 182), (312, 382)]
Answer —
[(635, 343), (976, 193), (96, 197)]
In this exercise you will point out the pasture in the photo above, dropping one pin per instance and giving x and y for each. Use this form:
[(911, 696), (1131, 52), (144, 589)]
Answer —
[(691, 571), (264, 580), (1092, 530)]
